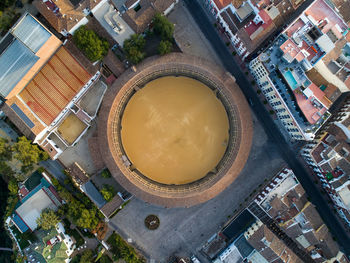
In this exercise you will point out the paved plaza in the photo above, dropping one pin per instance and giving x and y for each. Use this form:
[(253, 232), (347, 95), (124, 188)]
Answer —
[(188, 35), (183, 231)]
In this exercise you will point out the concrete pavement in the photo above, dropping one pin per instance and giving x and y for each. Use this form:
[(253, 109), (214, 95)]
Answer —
[(270, 127)]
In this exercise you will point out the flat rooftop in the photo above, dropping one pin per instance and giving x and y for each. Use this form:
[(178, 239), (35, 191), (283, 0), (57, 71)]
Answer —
[(30, 210), (55, 86), (71, 128)]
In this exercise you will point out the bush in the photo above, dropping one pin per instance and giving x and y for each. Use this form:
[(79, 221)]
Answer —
[(106, 173), (123, 250), (271, 112), (234, 53), (258, 91), (94, 47), (265, 101), (163, 27), (165, 47), (107, 192), (87, 256), (105, 259)]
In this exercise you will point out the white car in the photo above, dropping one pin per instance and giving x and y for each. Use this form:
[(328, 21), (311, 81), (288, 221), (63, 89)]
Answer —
[(194, 259)]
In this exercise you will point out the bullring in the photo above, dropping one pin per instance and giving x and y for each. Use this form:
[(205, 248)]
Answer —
[(170, 193)]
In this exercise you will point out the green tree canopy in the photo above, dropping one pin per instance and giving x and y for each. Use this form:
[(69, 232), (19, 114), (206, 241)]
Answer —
[(107, 192), (28, 153), (163, 27), (87, 256), (94, 47), (48, 219), (106, 173), (13, 186), (134, 48), (87, 219), (165, 47), (5, 150), (5, 169), (6, 3)]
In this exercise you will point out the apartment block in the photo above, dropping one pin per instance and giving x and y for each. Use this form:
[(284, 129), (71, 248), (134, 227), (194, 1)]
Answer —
[(285, 202), (330, 160), (293, 75), (248, 23)]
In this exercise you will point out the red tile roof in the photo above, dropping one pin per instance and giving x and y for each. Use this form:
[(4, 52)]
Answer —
[(55, 86)]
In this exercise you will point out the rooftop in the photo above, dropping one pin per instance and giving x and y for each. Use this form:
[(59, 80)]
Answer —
[(54, 86), (31, 209), (110, 19), (91, 191), (64, 14)]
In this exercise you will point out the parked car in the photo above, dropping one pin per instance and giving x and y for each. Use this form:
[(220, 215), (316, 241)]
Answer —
[(194, 259)]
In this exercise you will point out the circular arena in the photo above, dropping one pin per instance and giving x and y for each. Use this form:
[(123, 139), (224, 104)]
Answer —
[(175, 130)]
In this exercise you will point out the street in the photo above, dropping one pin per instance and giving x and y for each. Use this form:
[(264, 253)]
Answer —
[(271, 129)]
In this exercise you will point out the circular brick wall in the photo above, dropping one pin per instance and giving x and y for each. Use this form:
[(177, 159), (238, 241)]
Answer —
[(237, 152)]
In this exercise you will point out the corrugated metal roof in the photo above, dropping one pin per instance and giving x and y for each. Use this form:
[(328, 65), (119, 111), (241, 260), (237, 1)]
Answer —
[(95, 196), (15, 62), (31, 33), (19, 223)]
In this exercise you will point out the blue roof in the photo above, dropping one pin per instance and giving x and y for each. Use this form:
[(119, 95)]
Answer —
[(91, 191), (19, 223), (17, 51), (15, 62), (22, 115), (31, 33)]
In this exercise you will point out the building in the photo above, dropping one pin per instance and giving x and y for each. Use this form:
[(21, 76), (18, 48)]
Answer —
[(330, 160), (249, 240), (138, 14), (248, 23), (280, 225), (36, 194), (292, 73), (48, 94), (66, 16), (285, 201)]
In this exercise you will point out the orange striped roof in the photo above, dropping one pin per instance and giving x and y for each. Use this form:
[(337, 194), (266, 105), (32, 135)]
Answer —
[(55, 86)]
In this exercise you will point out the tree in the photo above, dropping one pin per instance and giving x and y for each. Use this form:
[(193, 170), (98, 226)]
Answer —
[(87, 256), (107, 192), (134, 47), (105, 259), (87, 219), (106, 173), (48, 219), (5, 150), (13, 186), (165, 47), (28, 153), (163, 27), (6, 3), (94, 47), (5, 169)]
